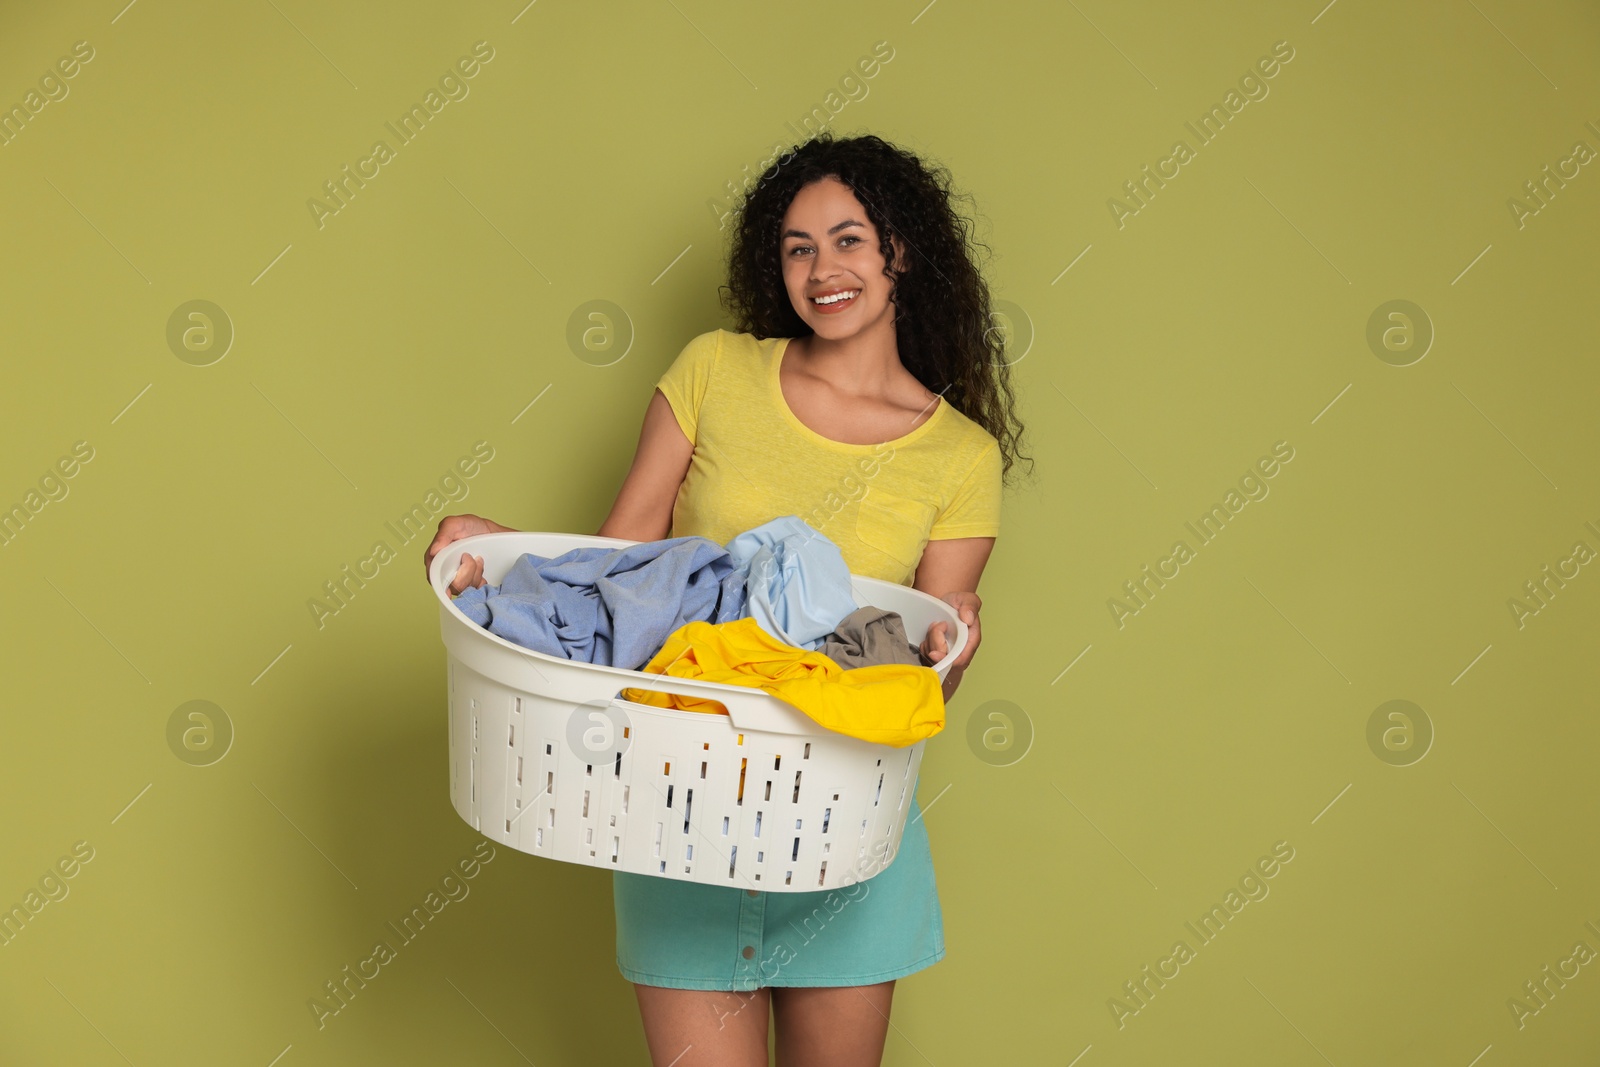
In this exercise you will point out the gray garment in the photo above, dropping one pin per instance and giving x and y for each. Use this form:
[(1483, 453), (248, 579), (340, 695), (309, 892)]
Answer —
[(868, 637)]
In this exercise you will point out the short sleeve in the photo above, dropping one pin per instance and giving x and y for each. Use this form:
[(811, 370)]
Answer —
[(974, 511), (685, 382)]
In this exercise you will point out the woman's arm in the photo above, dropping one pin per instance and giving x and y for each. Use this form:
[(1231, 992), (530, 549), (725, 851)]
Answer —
[(643, 508), (950, 570)]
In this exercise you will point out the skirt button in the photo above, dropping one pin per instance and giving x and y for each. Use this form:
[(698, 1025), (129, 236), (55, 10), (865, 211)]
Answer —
[(749, 950)]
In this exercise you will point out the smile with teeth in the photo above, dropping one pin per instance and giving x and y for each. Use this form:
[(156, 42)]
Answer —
[(836, 298)]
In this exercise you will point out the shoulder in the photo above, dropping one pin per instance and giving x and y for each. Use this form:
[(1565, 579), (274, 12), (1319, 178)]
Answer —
[(713, 345), (705, 345), (968, 442)]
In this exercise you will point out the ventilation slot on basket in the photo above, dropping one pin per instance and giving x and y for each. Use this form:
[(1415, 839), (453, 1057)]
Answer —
[(741, 739), (733, 857), (547, 748), (796, 797), (702, 766), (775, 761), (519, 770), (760, 858), (618, 772), (725, 827), (769, 790), (616, 848), (807, 753), (585, 803), (880, 789), (758, 824), (688, 853), (669, 796), (788, 877), (796, 853), (822, 875), (550, 782), (624, 800), (826, 814), (688, 799), (659, 827), (740, 798), (512, 737)]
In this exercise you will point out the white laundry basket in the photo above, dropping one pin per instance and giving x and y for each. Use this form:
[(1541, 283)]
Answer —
[(546, 758)]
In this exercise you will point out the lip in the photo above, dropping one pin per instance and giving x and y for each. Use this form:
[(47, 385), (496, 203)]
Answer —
[(836, 308)]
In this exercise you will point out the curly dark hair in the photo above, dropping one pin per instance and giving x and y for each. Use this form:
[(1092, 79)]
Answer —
[(943, 325)]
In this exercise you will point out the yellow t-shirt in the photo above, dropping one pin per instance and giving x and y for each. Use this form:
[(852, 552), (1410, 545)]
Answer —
[(754, 461), (888, 703)]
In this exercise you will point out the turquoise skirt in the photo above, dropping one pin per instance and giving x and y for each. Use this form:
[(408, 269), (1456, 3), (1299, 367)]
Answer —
[(689, 935)]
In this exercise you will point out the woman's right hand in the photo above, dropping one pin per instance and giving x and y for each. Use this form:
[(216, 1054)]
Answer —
[(469, 575)]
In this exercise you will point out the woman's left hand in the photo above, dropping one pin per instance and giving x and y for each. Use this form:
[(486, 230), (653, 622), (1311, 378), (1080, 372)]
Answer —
[(936, 646)]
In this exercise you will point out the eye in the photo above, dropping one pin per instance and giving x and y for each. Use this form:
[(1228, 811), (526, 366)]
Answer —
[(797, 249)]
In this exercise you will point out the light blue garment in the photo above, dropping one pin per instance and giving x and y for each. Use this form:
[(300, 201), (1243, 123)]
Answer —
[(797, 585), (613, 606)]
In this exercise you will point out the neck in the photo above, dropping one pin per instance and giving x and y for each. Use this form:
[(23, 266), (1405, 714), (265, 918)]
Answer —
[(864, 364)]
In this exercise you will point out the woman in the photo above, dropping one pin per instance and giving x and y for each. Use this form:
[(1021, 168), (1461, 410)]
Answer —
[(865, 392)]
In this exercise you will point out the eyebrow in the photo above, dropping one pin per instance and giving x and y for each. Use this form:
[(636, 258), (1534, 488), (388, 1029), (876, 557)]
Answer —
[(833, 230)]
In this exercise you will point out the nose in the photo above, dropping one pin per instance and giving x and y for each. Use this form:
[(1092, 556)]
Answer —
[(823, 266)]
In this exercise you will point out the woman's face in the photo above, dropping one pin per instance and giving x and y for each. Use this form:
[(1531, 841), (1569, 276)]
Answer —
[(829, 247)]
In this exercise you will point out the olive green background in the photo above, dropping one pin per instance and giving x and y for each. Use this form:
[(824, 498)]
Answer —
[(1115, 801)]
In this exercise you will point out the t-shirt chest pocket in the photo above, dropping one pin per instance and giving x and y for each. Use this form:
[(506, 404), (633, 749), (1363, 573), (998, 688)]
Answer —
[(896, 526)]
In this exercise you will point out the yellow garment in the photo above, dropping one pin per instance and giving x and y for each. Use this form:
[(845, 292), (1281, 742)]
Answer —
[(754, 459), (889, 704)]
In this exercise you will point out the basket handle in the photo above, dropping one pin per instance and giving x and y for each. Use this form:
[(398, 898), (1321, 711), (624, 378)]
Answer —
[(749, 708)]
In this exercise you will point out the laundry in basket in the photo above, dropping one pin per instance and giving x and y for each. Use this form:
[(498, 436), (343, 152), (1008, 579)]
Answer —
[(888, 704), (618, 605), (797, 583), (609, 605)]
